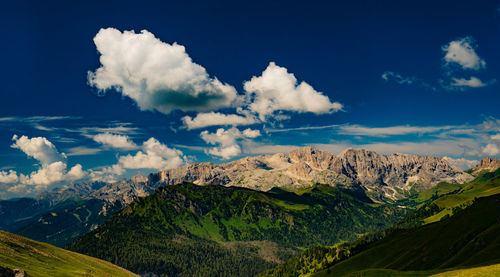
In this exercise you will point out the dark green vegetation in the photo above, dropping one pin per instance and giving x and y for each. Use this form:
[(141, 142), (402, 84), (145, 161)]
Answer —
[(470, 238), (213, 230), (59, 216), (66, 222), (40, 259), (17, 212), (467, 237)]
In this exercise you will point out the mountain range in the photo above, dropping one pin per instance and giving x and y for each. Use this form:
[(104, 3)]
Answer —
[(383, 177), (251, 214)]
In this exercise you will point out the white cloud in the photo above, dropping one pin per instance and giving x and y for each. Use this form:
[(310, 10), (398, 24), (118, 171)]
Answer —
[(153, 155), (473, 82), (463, 52), (213, 119), (406, 80), (82, 151), (276, 90), (156, 75), (249, 133), (107, 173), (53, 167), (270, 149), (226, 141), (18, 188), (225, 152), (491, 149), (398, 78), (115, 141), (46, 175), (35, 119), (461, 162), (39, 148), (8, 177), (385, 131)]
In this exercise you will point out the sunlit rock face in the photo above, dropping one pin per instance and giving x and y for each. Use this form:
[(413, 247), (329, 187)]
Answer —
[(486, 164), (382, 176)]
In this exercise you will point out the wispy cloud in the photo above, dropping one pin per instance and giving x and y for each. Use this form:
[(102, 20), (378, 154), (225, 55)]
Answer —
[(454, 141), (390, 76), (359, 130), (305, 128), (82, 151), (35, 119)]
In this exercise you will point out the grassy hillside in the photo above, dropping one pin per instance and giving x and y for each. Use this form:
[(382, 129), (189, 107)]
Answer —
[(40, 259), (431, 203), (189, 230), (446, 199), (470, 238)]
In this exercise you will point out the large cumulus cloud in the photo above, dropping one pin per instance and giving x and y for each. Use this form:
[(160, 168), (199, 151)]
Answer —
[(53, 166), (226, 141), (156, 75), (276, 90)]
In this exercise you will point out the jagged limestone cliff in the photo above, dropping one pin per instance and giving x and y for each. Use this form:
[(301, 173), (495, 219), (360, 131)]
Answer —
[(383, 176)]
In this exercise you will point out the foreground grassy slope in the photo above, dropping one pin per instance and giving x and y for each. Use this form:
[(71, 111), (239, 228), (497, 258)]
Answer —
[(40, 259), (470, 238), (189, 230)]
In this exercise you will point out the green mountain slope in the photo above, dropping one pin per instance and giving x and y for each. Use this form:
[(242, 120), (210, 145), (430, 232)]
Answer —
[(469, 238), (66, 222), (321, 257), (215, 230), (40, 259), (446, 199)]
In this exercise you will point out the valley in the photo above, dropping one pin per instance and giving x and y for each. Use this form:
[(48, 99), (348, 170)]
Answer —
[(149, 225)]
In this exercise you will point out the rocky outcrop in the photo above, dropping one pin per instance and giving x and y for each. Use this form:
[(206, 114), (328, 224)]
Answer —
[(486, 164), (383, 176), (7, 272), (124, 191)]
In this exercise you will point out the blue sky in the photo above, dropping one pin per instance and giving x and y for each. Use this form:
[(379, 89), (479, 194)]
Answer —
[(88, 95)]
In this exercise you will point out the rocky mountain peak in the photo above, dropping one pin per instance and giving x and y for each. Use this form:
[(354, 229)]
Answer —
[(486, 164), (139, 179), (312, 156)]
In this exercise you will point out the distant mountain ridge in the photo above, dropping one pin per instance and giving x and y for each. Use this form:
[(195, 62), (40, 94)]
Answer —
[(486, 164), (382, 176)]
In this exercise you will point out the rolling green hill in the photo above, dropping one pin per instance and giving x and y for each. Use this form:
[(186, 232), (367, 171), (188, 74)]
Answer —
[(214, 230), (470, 238), (431, 202), (41, 259)]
